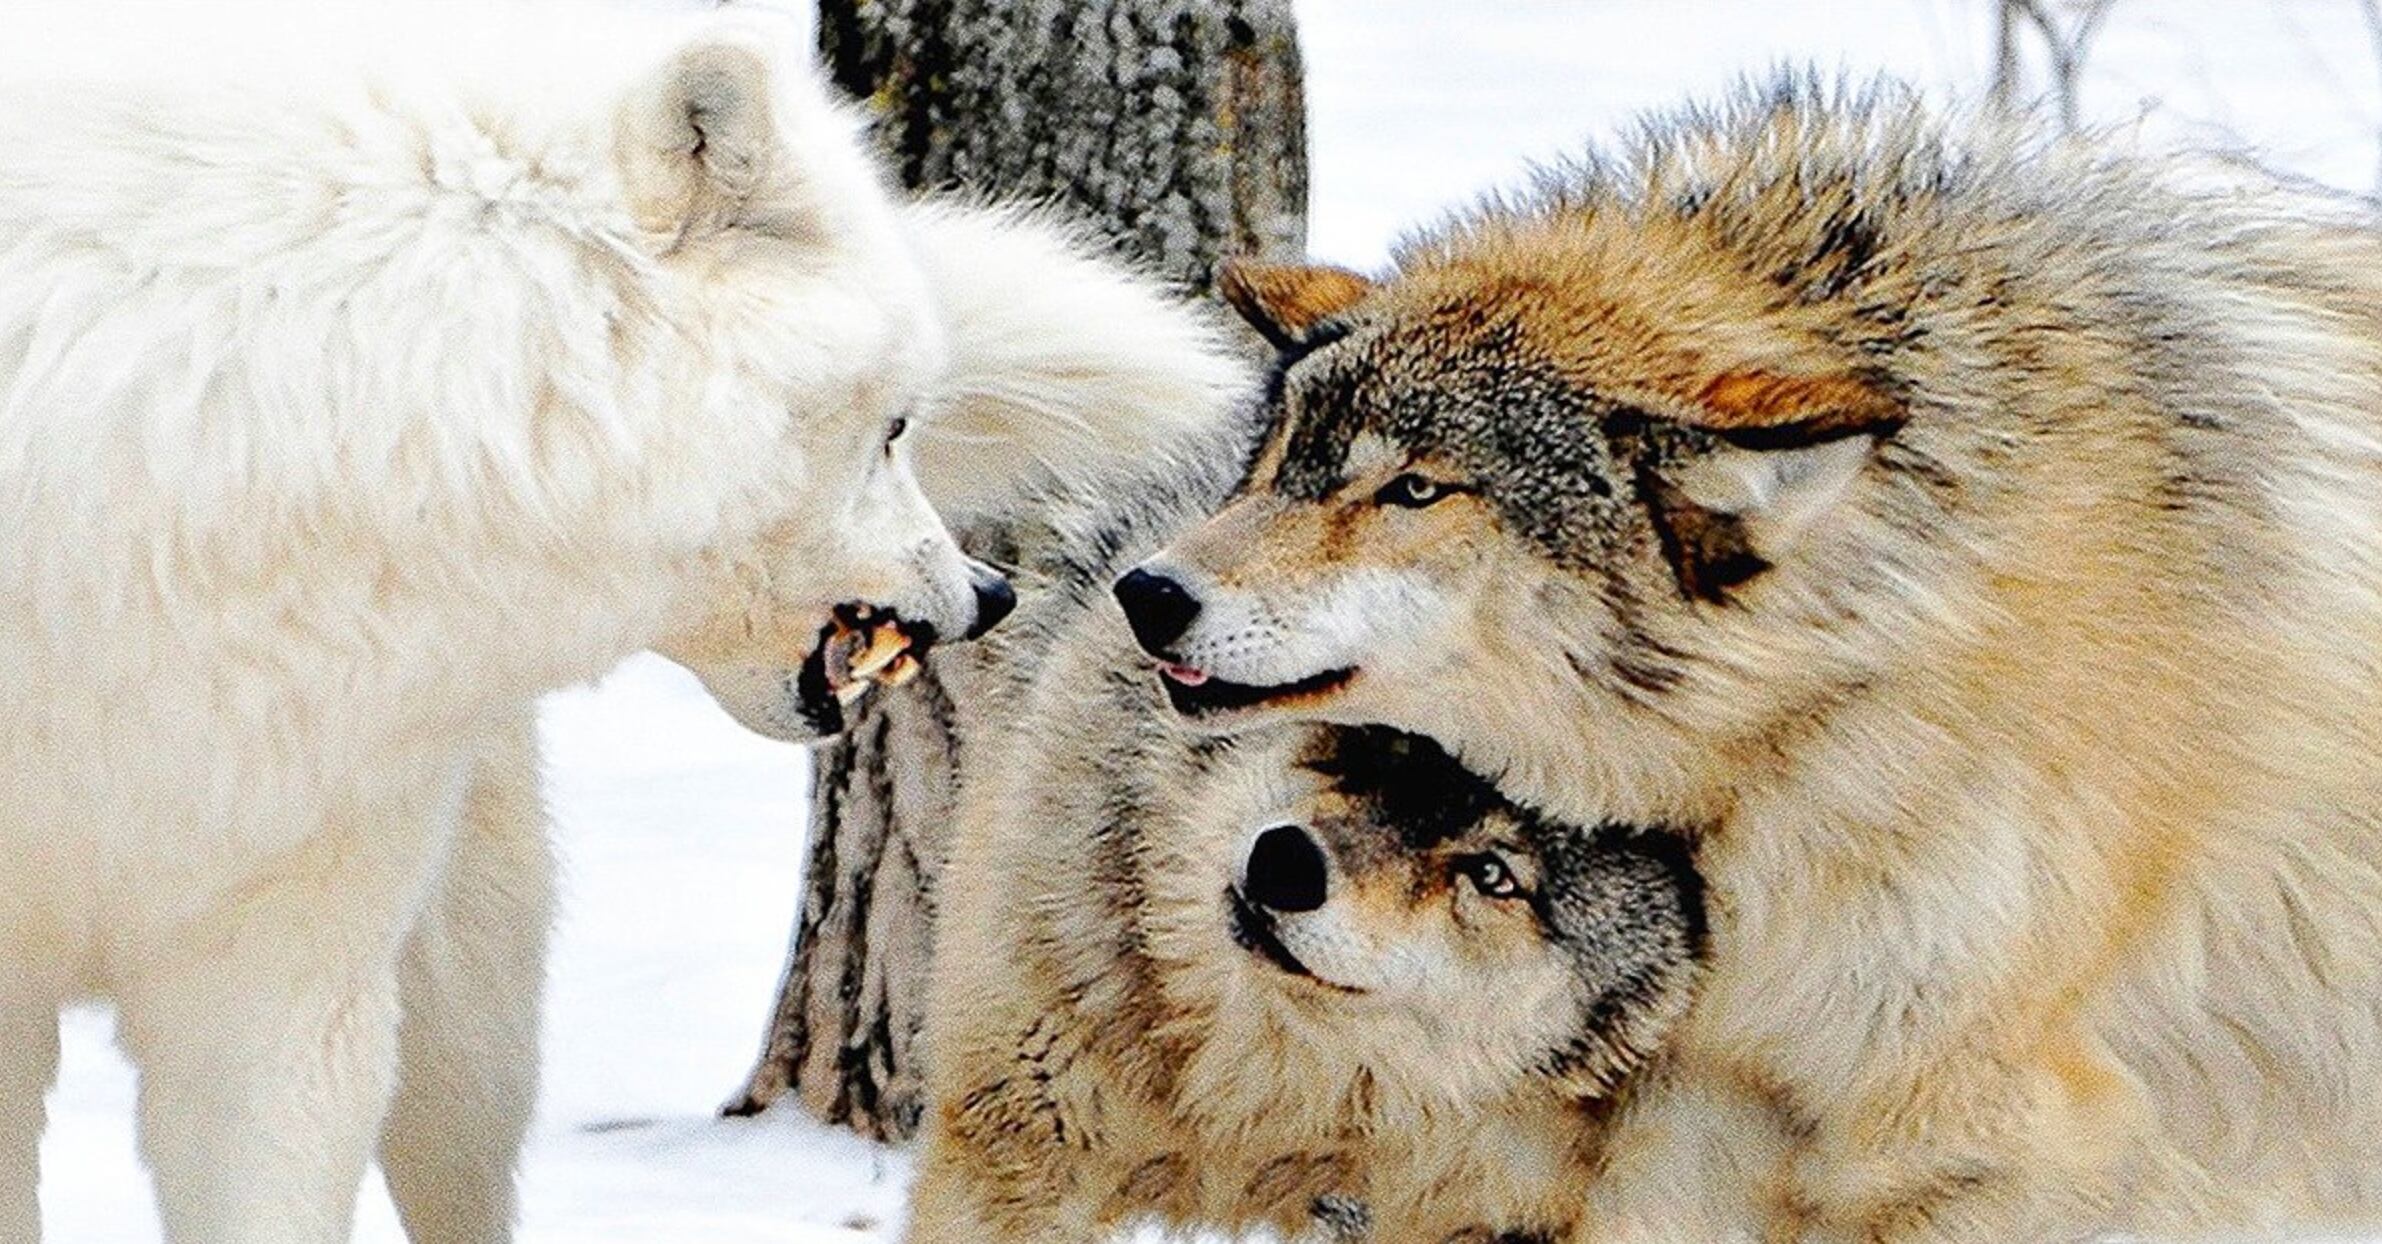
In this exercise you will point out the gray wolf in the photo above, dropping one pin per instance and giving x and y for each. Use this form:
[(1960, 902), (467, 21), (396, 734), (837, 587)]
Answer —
[(1309, 980), (1970, 536), (357, 385)]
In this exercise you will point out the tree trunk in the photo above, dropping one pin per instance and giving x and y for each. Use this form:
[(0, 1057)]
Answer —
[(1177, 127)]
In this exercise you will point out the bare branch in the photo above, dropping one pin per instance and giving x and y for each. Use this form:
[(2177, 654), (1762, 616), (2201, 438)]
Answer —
[(2065, 48)]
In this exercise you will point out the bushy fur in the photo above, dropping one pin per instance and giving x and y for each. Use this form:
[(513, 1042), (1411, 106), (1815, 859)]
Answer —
[(1976, 536), (1106, 1043), (1069, 375), (354, 389)]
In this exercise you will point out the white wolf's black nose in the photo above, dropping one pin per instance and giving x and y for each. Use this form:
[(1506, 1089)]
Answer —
[(1286, 871), (1156, 607), (994, 597)]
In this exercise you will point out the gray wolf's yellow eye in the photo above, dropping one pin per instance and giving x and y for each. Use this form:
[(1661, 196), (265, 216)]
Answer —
[(1413, 491), (1490, 876)]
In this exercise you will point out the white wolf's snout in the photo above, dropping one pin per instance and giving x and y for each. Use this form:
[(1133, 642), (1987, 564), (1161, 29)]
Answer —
[(832, 621), (933, 586)]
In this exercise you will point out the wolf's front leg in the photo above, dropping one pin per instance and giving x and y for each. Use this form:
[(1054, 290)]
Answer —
[(471, 981), (28, 1063), (265, 1029), (260, 1098), (959, 1197)]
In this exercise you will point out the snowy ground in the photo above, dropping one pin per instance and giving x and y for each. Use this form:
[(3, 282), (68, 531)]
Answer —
[(681, 835)]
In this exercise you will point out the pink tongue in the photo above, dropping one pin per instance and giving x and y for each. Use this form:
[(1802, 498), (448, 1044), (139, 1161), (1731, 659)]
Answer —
[(1186, 675)]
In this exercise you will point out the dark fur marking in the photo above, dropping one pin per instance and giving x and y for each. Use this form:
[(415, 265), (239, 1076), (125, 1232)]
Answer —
[(1341, 1217), (1413, 782), (1156, 1181), (1708, 551), (1315, 444), (1643, 674), (1847, 244)]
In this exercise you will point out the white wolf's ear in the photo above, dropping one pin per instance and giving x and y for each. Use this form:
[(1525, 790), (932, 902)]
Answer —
[(1286, 303), (699, 144)]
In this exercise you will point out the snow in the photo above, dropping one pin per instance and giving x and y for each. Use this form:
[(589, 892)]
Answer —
[(681, 834)]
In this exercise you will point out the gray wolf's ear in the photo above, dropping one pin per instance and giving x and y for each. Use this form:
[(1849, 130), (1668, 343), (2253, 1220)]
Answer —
[(1735, 512), (1285, 303), (1789, 448), (699, 145), (1780, 490), (1761, 409)]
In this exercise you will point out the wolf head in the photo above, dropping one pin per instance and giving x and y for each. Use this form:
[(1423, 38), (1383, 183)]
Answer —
[(782, 290), (1380, 900), (1613, 489), (1060, 368)]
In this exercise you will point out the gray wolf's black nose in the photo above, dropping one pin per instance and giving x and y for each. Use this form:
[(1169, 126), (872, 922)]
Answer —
[(994, 598), (1286, 871), (1156, 607)]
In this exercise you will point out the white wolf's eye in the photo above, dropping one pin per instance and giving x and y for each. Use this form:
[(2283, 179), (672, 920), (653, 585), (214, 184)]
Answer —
[(1413, 491), (901, 424), (1490, 876)]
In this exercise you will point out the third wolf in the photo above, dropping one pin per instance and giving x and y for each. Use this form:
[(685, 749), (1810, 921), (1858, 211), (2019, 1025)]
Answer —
[(1309, 979)]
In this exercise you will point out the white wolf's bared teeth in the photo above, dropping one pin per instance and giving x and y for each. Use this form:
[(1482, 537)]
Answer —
[(886, 644), (1186, 675)]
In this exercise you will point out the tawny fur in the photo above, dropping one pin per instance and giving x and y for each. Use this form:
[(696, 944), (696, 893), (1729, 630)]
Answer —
[(1980, 537), (1101, 1051)]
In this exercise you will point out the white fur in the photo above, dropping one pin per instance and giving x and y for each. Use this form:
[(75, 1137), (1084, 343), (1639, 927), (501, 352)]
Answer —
[(1066, 368), (1063, 367), (355, 386)]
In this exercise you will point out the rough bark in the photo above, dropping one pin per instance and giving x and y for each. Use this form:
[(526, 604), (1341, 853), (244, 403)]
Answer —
[(1175, 126)]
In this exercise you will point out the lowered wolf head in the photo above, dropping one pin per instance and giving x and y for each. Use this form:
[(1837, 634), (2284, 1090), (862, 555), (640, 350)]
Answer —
[(765, 282), (1062, 369), (1562, 493), (1373, 896)]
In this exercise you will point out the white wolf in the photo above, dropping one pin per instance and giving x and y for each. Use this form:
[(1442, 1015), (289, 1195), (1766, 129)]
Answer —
[(1066, 377), (357, 383)]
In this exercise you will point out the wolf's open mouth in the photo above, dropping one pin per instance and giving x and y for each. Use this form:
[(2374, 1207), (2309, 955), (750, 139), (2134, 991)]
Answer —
[(1193, 692), (860, 648)]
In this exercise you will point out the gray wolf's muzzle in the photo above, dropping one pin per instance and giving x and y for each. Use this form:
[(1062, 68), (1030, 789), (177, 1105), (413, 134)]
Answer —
[(1286, 871), (1285, 874)]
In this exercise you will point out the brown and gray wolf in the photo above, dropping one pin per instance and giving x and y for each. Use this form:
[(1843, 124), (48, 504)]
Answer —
[(1976, 540), (1313, 980)]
